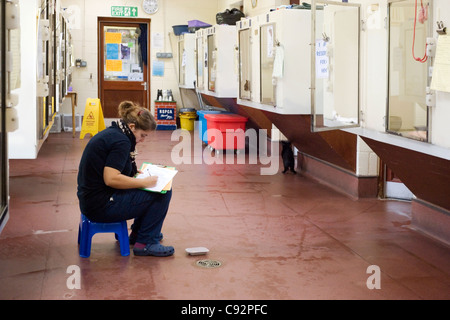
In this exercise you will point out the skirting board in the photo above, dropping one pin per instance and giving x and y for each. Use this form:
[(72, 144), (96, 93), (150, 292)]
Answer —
[(337, 178)]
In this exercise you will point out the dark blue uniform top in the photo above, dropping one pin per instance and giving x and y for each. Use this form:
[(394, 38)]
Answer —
[(110, 148)]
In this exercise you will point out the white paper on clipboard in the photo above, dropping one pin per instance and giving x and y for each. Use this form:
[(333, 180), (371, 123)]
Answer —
[(165, 175)]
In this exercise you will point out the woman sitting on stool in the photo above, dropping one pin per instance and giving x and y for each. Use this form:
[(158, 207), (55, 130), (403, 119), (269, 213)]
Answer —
[(107, 191)]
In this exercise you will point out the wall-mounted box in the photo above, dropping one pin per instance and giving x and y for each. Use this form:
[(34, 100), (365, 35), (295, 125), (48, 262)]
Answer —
[(248, 57), (164, 55), (279, 60), (219, 68)]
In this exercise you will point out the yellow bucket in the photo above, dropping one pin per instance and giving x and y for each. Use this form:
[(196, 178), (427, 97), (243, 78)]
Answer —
[(187, 121)]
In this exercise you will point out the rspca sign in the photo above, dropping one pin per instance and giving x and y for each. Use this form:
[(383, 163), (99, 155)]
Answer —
[(166, 114)]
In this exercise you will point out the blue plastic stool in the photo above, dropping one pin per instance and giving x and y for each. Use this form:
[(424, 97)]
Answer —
[(88, 228)]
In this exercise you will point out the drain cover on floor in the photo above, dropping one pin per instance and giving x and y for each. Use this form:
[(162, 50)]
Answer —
[(208, 263)]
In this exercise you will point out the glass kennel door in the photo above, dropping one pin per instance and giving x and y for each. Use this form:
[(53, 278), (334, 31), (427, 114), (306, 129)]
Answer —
[(335, 65), (267, 51), (408, 70), (4, 193), (245, 66), (200, 61), (182, 62), (212, 62)]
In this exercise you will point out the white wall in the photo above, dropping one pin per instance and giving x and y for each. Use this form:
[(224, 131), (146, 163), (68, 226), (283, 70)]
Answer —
[(262, 6), (84, 32)]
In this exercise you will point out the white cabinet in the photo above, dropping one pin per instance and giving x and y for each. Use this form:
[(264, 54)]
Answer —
[(248, 59), (46, 61), (275, 61), (216, 52)]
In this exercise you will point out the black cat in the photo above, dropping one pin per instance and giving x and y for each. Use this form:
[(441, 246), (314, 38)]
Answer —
[(288, 157)]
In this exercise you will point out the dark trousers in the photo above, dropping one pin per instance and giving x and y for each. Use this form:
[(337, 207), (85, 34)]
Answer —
[(148, 209)]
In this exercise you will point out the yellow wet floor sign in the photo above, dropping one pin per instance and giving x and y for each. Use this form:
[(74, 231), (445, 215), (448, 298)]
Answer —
[(93, 121)]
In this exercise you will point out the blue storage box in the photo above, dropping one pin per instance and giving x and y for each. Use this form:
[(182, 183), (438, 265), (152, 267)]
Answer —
[(180, 29), (202, 124)]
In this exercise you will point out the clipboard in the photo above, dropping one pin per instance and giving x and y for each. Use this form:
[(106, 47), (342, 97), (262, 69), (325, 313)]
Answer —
[(168, 186)]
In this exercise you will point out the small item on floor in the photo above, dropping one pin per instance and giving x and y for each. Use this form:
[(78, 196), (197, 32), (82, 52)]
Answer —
[(197, 251)]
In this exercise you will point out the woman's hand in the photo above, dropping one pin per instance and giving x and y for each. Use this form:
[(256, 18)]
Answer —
[(114, 179), (149, 181)]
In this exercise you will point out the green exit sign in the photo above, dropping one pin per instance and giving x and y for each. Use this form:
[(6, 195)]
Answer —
[(123, 11)]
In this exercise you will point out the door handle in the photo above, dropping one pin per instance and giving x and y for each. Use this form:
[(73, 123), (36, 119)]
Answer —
[(145, 85)]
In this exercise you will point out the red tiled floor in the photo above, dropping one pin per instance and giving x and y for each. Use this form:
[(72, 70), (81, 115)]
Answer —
[(278, 237)]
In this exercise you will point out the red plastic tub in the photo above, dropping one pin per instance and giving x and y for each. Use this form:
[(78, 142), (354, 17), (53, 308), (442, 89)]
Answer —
[(226, 131)]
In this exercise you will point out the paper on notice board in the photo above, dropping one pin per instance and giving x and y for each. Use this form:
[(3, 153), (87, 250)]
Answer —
[(112, 51), (113, 37), (114, 65), (441, 69)]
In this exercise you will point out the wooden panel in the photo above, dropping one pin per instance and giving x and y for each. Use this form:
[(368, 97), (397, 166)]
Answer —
[(336, 147), (426, 176), (112, 99), (257, 119), (261, 120)]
